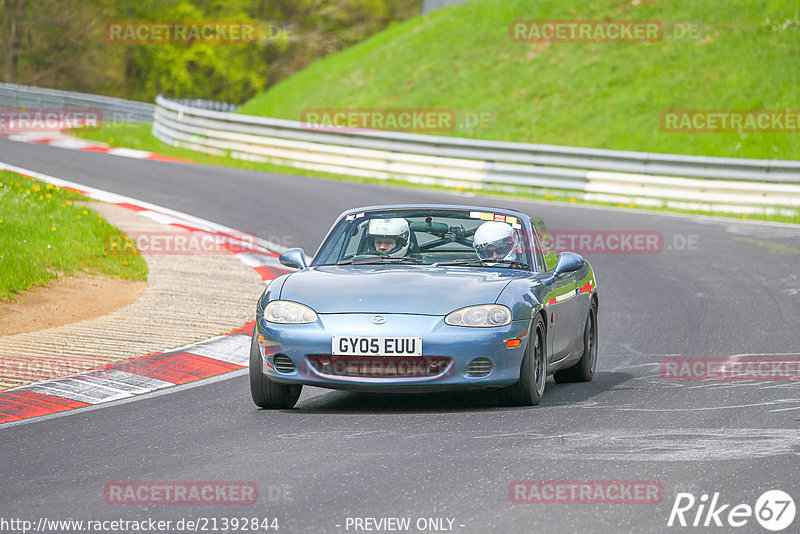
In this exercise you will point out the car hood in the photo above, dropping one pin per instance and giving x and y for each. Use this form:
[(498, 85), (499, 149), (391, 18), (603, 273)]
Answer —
[(395, 288)]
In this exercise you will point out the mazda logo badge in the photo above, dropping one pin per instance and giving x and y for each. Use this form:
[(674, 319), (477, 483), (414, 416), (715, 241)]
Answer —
[(378, 319)]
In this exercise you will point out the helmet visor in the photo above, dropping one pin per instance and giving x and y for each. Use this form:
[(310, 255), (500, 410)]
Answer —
[(494, 250)]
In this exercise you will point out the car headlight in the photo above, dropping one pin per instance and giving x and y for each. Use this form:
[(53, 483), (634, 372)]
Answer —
[(287, 312), (483, 316)]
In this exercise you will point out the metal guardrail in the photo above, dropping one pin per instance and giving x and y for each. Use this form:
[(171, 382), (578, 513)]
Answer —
[(114, 110), (200, 103), (740, 185)]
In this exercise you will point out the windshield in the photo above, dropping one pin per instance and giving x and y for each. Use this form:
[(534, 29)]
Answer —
[(428, 237)]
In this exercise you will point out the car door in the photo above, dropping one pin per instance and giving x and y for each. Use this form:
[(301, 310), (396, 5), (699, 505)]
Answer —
[(563, 301)]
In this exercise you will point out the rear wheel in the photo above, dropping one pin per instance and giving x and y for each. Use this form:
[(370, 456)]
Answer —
[(268, 394), (583, 371), (528, 391)]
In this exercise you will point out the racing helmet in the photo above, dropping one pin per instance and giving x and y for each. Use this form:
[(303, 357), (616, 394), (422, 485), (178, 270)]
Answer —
[(396, 229), (493, 237)]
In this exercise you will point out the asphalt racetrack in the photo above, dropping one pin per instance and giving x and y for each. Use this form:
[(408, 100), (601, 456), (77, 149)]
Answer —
[(714, 289)]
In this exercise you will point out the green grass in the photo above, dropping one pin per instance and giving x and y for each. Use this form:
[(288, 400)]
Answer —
[(603, 95), (44, 235)]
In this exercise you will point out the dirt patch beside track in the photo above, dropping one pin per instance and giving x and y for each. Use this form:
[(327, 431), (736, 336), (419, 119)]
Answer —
[(67, 300)]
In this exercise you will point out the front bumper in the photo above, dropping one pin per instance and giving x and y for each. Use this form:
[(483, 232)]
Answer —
[(451, 348)]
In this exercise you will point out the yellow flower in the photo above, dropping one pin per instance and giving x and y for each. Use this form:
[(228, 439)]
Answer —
[(113, 245), (52, 228), (125, 262), (41, 197), (27, 191), (77, 216), (49, 186), (69, 203), (1, 220), (85, 212), (572, 199), (36, 188), (48, 195)]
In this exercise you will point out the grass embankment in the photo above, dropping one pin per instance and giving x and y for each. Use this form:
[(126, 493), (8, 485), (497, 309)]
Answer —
[(742, 55), (606, 95), (44, 234)]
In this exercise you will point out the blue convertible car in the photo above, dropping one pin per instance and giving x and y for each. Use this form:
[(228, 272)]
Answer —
[(427, 297)]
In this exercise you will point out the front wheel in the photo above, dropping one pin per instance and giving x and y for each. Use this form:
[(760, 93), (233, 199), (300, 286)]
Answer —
[(529, 390), (268, 394), (583, 371)]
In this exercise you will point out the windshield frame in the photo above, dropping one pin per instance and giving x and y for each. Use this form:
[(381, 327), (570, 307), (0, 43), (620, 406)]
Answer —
[(530, 247)]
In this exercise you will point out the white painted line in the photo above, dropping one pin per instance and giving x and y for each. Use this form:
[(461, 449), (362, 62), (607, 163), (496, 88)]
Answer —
[(129, 153), (124, 381), (253, 259), (71, 143), (233, 349), (27, 137), (161, 217), (79, 390)]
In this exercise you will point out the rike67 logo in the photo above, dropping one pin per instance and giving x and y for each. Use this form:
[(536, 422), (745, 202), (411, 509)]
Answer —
[(774, 510)]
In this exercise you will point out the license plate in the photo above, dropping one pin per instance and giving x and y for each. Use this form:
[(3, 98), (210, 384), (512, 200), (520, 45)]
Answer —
[(376, 346)]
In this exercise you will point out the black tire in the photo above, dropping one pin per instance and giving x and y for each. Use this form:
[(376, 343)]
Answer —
[(267, 394), (529, 390), (583, 371)]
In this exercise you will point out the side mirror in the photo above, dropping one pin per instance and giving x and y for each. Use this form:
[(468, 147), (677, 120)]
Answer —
[(294, 258), (568, 262)]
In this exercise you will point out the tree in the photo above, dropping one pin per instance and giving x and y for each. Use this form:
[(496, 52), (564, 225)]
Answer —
[(11, 13), (61, 44)]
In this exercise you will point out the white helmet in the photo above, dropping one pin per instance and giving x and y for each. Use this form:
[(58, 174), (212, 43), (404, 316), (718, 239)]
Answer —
[(493, 237), (396, 229)]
